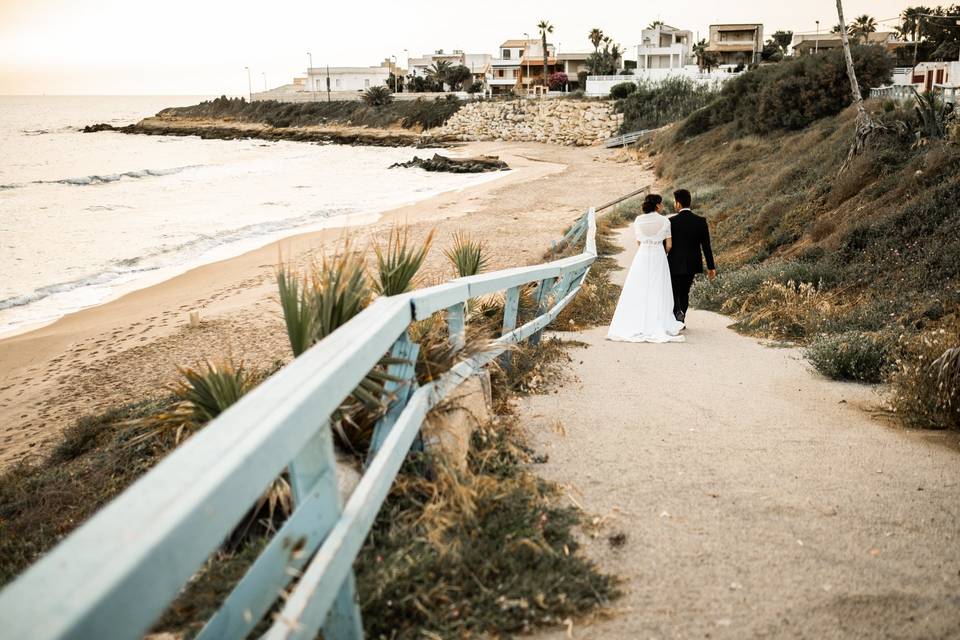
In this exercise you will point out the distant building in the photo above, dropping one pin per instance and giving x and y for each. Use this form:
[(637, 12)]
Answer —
[(478, 63), (736, 44), (346, 78), (520, 64), (806, 43), (573, 65), (665, 47)]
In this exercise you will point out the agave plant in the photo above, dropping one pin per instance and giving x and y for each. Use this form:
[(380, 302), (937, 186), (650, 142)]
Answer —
[(399, 262), (318, 303), (933, 115), (378, 96), (467, 255), (212, 387)]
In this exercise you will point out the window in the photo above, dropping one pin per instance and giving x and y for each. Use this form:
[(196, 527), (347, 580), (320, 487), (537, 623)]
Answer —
[(338, 83), (499, 73), (506, 54), (366, 83)]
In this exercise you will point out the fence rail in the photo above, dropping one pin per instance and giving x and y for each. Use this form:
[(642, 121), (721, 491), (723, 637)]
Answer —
[(625, 139), (115, 575)]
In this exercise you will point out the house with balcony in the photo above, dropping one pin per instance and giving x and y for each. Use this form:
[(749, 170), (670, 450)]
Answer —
[(505, 71), (573, 64), (806, 43), (665, 47), (735, 44)]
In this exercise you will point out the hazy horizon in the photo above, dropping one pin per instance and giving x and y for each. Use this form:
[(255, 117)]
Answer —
[(107, 47)]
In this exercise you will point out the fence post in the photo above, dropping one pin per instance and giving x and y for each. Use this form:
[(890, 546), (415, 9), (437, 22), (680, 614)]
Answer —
[(317, 463), (543, 303), (457, 325), (510, 307), (405, 351)]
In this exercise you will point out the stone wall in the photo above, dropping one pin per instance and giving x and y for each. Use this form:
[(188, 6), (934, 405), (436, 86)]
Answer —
[(568, 122)]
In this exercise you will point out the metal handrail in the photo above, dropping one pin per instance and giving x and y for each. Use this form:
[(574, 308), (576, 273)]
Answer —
[(115, 575)]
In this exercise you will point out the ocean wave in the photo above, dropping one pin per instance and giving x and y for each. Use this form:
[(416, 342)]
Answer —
[(113, 177), (172, 255)]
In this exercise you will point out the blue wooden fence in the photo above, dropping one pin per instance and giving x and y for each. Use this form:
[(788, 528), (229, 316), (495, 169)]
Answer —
[(116, 574)]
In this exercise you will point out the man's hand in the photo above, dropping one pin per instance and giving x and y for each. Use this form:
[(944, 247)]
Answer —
[(712, 274)]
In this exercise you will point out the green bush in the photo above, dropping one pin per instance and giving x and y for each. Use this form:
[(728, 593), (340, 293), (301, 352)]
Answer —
[(736, 285), (650, 105), (622, 90), (852, 355), (377, 96), (791, 94)]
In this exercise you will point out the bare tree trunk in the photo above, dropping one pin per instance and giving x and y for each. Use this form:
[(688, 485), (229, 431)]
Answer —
[(866, 127), (544, 39)]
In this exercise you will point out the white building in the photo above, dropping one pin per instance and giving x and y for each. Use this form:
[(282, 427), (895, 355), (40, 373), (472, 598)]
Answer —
[(665, 47), (346, 78), (515, 65)]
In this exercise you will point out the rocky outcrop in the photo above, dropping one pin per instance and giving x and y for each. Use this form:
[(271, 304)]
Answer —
[(222, 130), (557, 121), (478, 164)]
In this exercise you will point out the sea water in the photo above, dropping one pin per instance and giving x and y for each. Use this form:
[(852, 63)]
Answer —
[(84, 216)]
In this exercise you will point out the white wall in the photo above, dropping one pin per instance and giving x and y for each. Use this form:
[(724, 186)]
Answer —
[(348, 79)]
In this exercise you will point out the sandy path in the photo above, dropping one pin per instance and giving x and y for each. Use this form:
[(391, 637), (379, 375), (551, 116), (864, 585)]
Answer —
[(128, 349), (758, 499)]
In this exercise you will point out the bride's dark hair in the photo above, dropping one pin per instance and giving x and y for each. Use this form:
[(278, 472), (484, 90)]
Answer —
[(650, 202)]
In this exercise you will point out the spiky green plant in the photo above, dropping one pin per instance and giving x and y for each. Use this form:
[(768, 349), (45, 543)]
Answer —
[(467, 255), (212, 387), (398, 262), (298, 311), (318, 303), (932, 114)]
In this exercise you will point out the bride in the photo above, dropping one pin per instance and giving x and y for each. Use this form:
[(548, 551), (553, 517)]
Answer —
[(645, 309)]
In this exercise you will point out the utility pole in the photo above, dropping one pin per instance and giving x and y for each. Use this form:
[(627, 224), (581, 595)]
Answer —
[(394, 70), (526, 55), (249, 84), (313, 85), (406, 55), (816, 43)]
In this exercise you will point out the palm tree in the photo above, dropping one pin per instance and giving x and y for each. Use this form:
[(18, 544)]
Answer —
[(596, 37), (861, 27), (911, 22), (438, 72), (837, 28), (545, 28), (655, 24), (700, 50), (866, 126)]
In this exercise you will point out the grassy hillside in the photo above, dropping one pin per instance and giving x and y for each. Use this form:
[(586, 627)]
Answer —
[(409, 114), (863, 265)]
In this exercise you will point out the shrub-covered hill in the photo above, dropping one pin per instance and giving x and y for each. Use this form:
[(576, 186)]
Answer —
[(409, 114), (863, 264)]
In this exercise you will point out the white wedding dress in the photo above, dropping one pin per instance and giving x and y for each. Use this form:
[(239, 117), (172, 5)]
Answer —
[(645, 309)]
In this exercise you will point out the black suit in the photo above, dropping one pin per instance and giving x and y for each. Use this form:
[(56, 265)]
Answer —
[(691, 238)]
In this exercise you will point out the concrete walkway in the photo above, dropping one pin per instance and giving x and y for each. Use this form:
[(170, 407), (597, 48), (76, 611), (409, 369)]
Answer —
[(758, 499)]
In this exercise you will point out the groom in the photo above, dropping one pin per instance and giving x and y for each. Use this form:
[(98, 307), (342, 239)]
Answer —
[(691, 236)]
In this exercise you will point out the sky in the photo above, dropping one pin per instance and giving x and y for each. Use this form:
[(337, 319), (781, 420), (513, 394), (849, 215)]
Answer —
[(200, 47)]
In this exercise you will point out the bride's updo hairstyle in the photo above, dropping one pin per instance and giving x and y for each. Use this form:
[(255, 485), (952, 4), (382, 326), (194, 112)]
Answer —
[(650, 203)]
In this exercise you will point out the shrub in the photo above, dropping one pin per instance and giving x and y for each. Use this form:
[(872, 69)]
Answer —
[(926, 385), (791, 94), (377, 96), (557, 80), (650, 105), (466, 255), (476, 87), (852, 355), (622, 90), (781, 311), (399, 262), (736, 285)]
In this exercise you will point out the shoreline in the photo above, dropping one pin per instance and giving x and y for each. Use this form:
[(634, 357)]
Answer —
[(221, 129), (128, 349)]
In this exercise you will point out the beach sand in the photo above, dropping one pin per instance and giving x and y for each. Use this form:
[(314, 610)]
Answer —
[(128, 349)]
